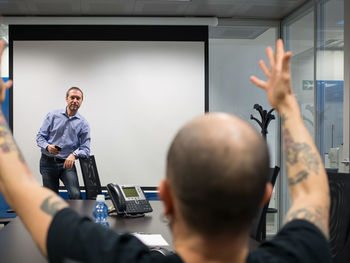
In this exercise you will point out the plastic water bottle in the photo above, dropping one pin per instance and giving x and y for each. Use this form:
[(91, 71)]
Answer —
[(101, 211)]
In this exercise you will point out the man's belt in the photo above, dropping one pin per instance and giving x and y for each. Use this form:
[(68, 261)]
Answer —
[(52, 158)]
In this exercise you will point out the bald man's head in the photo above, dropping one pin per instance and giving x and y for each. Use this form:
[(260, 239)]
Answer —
[(217, 167)]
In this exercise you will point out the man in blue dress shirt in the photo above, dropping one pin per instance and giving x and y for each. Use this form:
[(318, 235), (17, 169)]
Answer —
[(63, 137)]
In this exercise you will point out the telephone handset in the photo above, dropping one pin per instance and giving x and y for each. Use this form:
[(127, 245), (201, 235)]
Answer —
[(129, 200)]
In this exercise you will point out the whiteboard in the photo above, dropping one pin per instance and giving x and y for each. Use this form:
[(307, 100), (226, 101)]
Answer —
[(137, 94)]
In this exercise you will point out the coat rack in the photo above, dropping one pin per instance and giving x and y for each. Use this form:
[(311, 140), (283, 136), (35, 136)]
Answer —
[(266, 117)]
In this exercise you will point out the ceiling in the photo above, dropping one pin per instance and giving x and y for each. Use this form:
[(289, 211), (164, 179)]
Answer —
[(258, 9)]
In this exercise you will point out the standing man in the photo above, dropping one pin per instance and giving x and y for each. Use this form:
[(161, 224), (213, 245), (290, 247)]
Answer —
[(63, 137)]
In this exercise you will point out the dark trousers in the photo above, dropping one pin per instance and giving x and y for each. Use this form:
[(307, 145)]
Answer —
[(53, 171)]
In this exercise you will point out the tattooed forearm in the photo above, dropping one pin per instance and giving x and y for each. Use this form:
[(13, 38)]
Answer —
[(7, 143), (299, 152), (51, 208), (317, 215), (294, 179)]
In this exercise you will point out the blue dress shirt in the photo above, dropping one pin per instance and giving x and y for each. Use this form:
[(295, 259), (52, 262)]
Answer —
[(72, 134)]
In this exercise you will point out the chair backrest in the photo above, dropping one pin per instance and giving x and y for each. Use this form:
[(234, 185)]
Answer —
[(260, 219), (90, 177), (339, 220)]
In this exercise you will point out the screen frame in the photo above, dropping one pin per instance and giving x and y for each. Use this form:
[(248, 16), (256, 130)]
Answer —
[(108, 33)]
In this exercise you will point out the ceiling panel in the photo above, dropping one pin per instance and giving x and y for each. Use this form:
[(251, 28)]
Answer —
[(52, 7), (267, 11), (217, 10), (107, 7), (273, 9), (237, 32), (14, 8), (152, 8)]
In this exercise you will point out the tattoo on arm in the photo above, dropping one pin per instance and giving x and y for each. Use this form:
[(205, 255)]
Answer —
[(53, 207), (7, 143), (294, 179), (317, 215), (298, 153)]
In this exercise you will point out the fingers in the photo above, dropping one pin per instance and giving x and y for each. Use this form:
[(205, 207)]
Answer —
[(3, 85), (51, 149), (2, 46), (258, 82), (264, 68), (68, 164), (286, 61), (270, 56), (279, 52), (8, 84)]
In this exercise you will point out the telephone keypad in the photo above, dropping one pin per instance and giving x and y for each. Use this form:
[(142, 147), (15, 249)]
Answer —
[(138, 207)]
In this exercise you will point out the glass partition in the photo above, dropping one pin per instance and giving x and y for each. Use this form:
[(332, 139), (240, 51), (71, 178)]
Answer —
[(330, 81), (234, 53), (315, 35)]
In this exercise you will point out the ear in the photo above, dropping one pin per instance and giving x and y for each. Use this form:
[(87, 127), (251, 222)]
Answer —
[(166, 196), (267, 194)]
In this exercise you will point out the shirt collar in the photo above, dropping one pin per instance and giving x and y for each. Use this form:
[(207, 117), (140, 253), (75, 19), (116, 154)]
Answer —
[(77, 115)]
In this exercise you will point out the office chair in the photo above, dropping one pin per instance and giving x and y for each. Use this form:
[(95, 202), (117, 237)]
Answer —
[(339, 220), (6, 217), (258, 231), (6, 213), (90, 176)]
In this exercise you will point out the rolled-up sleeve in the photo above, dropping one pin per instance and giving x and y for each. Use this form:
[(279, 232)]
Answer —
[(43, 134), (84, 142)]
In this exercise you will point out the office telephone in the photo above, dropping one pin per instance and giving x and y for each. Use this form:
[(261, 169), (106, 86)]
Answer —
[(128, 200)]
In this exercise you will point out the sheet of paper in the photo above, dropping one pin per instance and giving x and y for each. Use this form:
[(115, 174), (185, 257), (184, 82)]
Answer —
[(152, 240)]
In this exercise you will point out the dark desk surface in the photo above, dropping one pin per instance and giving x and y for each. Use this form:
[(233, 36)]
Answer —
[(16, 245)]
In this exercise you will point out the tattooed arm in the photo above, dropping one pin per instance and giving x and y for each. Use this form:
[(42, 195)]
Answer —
[(34, 204), (306, 176)]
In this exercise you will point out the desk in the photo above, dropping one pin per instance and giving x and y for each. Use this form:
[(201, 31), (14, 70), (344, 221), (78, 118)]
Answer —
[(16, 245)]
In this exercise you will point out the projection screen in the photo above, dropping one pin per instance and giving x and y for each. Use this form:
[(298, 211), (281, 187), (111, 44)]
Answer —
[(140, 86)]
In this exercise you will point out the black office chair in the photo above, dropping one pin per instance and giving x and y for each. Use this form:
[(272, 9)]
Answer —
[(6, 213), (339, 220), (258, 231), (6, 216), (90, 176)]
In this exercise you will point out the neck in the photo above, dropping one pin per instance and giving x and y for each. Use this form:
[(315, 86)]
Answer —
[(69, 112), (194, 248)]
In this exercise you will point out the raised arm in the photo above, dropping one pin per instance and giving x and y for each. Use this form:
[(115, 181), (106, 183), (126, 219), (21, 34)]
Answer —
[(34, 204), (306, 176)]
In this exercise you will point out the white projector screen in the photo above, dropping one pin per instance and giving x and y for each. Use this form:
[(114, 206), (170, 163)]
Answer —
[(137, 94)]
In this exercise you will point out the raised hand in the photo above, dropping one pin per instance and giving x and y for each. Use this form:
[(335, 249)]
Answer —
[(3, 85), (278, 84)]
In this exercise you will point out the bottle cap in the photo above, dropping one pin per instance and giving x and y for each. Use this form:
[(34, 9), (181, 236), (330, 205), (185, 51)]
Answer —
[(100, 198)]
